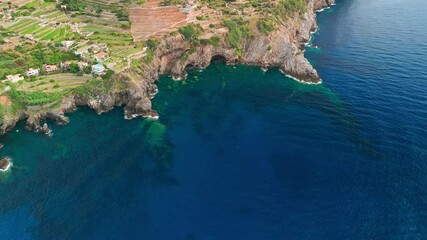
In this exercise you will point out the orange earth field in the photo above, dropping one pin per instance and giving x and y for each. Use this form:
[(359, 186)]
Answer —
[(151, 20)]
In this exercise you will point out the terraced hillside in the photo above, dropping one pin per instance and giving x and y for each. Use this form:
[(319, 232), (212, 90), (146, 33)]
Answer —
[(16, 3), (155, 21), (42, 30)]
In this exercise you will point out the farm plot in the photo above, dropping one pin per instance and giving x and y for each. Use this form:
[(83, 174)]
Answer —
[(14, 3), (154, 22), (41, 31), (22, 24), (55, 83), (110, 36)]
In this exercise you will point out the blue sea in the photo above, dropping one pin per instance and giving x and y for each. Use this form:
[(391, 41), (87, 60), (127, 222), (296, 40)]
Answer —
[(239, 153)]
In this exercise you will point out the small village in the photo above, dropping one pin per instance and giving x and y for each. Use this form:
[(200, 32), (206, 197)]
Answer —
[(51, 49), (94, 47), (95, 54)]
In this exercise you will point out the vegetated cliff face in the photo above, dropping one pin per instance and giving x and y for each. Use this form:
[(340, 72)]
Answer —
[(281, 48)]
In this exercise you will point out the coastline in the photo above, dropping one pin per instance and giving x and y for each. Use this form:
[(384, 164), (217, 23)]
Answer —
[(234, 153), (286, 44)]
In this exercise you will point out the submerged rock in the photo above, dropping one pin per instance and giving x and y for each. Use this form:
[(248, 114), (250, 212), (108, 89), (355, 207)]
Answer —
[(158, 144)]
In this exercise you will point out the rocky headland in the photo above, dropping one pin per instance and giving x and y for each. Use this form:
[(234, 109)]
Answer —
[(282, 48)]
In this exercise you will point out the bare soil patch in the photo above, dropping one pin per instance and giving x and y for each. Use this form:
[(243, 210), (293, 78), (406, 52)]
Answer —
[(154, 21), (5, 101)]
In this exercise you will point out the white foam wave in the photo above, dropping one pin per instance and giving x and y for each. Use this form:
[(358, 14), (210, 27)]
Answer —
[(299, 80)]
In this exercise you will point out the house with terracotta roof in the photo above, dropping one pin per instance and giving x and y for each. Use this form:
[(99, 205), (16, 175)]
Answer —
[(101, 56)]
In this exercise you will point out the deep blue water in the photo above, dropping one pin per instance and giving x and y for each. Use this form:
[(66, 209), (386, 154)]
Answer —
[(243, 154)]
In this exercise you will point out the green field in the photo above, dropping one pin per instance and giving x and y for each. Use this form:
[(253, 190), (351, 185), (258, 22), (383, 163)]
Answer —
[(54, 83), (45, 33)]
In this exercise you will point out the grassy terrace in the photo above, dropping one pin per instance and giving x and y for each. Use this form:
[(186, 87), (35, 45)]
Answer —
[(54, 82), (41, 30), (49, 89), (42, 33)]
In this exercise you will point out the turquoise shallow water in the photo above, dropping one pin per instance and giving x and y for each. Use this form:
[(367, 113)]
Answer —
[(243, 154)]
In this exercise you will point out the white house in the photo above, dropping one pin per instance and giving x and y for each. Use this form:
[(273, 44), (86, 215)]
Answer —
[(32, 72), (14, 78), (82, 51), (98, 69), (29, 36), (67, 44)]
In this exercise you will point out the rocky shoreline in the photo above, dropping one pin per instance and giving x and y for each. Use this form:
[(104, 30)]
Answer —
[(282, 48)]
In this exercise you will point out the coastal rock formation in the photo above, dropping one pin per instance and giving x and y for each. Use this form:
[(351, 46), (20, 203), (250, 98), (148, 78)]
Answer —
[(319, 4), (281, 48), (9, 122), (5, 164), (33, 124)]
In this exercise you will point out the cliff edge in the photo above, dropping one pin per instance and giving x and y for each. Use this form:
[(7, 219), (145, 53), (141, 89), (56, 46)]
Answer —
[(264, 39)]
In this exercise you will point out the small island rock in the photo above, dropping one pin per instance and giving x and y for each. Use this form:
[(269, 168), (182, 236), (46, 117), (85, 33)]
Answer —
[(5, 164)]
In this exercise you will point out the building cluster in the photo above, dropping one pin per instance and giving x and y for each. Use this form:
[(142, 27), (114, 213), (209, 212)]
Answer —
[(97, 69), (19, 77), (66, 65), (94, 52)]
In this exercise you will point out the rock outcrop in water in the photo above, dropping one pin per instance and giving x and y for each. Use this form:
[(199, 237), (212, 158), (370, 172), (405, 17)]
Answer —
[(5, 164), (281, 48)]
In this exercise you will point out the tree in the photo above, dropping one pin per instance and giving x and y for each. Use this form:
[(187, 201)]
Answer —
[(74, 68)]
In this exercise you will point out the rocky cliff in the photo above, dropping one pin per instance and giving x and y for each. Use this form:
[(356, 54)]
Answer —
[(281, 48)]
